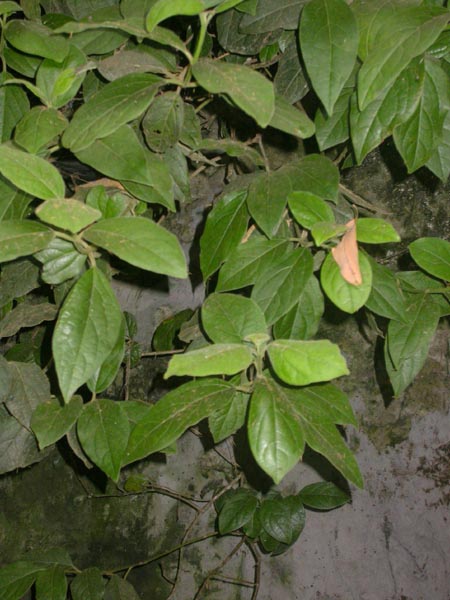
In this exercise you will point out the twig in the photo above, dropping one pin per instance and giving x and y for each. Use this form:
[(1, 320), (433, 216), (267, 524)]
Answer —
[(357, 199), (222, 563), (251, 546), (160, 353), (233, 580)]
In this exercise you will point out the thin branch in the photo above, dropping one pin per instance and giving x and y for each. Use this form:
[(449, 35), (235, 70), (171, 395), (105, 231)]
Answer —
[(161, 353), (360, 201), (220, 566), (256, 557)]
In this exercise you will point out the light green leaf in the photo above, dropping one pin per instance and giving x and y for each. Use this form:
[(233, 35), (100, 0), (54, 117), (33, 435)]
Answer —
[(316, 174), (271, 15), (275, 436), (344, 295), (249, 90), (309, 209), (16, 578), (31, 173), (323, 231), (162, 124), (14, 105), (61, 261), (26, 314), (216, 359), (379, 119), (67, 213), (291, 120), (30, 387), (302, 321), (38, 128), (278, 289), (120, 589), (303, 362), (169, 418), (51, 421), (417, 137), (224, 229), (51, 584), (19, 238), (283, 518), (228, 318), (7, 7), (34, 38), (141, 242), (375, 231), (323, 496), (229, 417), (114, 105), (401, 36), (386, 298), (86, 331), (88, 584), (248, 261), (106, 373), (103, 431), (329, 44), (266, 200), (237, 510), (162, 10), (432, 255)]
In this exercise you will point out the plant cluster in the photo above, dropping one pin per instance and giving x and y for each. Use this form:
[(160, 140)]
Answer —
[(147, 94)]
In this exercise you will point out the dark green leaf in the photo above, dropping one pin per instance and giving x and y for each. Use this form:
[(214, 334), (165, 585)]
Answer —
[(114, 105), (329, 43), (215, 359), (103, 431), (290, 80), (5, 378), (46, 557), (163, 338), (439, 161), (106, 373), (163, 121), (86, 331), (402, 375), (169, 418), (237, 510), (17, 279), (141, 242), (225, 226), (51, 584), (323, 496), (228, 318), (162, 10), (291, 120), (88, 584), (316, 174), (51, 420), (135, 60), (26, 315), (229, 417), (266, 200), (16, 578), (13, 202), (7, 7), (302, 321), (120, 589), (271, 15), (386, 298), (232, 39), (432, 255), (283, 518), (31, 173), (60, 261), (30, 388), (32, 37), (335, 129), (344, 295), (13, 106)]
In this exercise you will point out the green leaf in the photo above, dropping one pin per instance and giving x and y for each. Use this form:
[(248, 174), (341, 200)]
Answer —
[(17, 279), (237, 510), (432, 255), (43, 557), (225, 226), (291, 120), (5, 378), (163, 122), (232, 39), (290, 79), (249, 90), (407, 370), (229, 417), (16, 578), (140, 242), (31, 173), (106, 373), (386, 298), (88, 584), (26, 314), (299, 362), (32, 37), (120, 589), (25, 64), (375, 231), (439, 161), (86, 331), (401, 36), (141, 59), (316, 174), (13, 106), (266, 200), (246, 264), (162, 10), (323, 231), (60, 81), (278, 289), (30, 387), (13, 202), (323, 496), (51, 421), (309, 209), (51, 584), (271, 15), (216, 359), (344, 295), (67, 213), (60, 261), (165, 333), (276, 438), (7, 7), (334, 130), (114, 105), (19, 238), (38, 128), (233, 148), (379, 119), (103, 431), (417, 137), (302, 321), (283, 518), (169, 418), (228, 318), (329, 44)]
